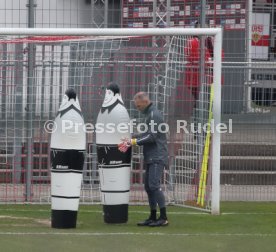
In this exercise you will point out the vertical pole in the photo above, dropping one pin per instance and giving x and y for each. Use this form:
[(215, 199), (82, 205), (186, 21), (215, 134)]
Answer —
[(106, 14), (61, 74), (201, 104), (215, 156), (18, 72), (43, 74), (4, 82), (5, 110), (29, 106), (155, 54), (202, 93), (202, 41), (249, 55), (168, 15), (154, 9), (93, 14), (52, 92)]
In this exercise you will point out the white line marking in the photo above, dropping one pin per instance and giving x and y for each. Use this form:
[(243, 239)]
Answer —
[(95, 211), (253, 213), (133, 234), (143, 212)]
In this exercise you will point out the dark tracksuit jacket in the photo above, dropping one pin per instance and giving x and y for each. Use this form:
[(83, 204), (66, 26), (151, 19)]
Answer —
[(155, 147)]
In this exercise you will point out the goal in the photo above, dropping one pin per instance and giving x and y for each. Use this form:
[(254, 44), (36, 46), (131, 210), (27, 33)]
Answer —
[(174, 65)]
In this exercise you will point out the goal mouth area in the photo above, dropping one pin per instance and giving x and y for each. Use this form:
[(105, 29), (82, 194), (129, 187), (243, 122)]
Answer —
[(151, 60)]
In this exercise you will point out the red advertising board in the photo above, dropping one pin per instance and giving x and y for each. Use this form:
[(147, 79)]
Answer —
[(228, 14)]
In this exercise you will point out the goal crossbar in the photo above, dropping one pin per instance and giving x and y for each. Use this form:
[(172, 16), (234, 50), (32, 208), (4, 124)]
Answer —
[(110, 31)]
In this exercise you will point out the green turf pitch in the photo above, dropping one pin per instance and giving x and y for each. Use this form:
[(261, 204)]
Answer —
[(241, 227)]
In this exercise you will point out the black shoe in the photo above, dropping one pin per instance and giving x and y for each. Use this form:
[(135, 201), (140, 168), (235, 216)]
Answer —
[(146, 222), (159, 223)]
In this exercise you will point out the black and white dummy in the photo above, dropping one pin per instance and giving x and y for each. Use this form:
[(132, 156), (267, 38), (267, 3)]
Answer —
[(68, 144), (113, 165)]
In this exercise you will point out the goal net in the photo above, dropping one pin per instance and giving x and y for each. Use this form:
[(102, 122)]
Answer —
[(178, 69)]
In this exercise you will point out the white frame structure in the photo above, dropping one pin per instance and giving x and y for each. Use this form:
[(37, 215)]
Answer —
[(216, 32)]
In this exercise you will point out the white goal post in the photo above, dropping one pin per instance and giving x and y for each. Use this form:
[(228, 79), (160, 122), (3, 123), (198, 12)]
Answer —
[(216, 33)]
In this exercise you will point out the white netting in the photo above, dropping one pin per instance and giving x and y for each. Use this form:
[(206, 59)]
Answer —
[(167, 67)]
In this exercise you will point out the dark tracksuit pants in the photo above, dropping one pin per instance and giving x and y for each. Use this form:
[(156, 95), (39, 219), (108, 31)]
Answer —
[(152, 182)]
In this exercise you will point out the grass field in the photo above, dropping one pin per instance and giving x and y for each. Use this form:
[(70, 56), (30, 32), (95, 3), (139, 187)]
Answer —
[(240, 227)]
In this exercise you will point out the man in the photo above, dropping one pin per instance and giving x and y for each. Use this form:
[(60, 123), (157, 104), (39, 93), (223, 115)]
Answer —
[(192, 74), (155, 152)]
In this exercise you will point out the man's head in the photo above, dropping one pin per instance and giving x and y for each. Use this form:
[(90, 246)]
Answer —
[(141, 101)]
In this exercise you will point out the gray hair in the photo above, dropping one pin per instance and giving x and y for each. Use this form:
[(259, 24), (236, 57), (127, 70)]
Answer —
[(141, 96)]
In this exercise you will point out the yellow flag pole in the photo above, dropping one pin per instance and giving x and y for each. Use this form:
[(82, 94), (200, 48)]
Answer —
[(204, 168)]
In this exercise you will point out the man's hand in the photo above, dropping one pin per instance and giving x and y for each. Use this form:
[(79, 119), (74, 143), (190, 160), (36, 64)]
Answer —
[(124, 145)]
